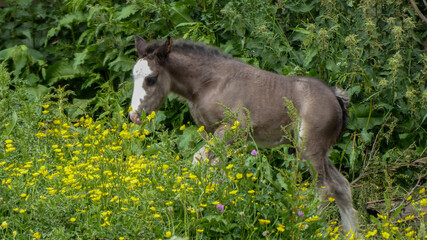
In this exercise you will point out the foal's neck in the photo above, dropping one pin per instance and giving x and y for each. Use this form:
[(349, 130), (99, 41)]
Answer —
[(190, 74)]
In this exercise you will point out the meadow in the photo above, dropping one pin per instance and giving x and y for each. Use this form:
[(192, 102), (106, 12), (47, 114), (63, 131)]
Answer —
[(82, 178), (72, 165)]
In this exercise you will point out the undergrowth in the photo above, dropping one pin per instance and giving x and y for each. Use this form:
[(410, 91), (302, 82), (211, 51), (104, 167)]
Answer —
[(66, 178)]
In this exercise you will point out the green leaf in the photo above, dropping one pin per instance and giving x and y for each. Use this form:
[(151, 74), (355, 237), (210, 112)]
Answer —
[(180, 12), (12, 124), (72, 17), (311, 53), (367, 136), (188, 137), (281, 181), (122, 64), (81, 104), (79, 58), (90, 80), (36, 93), (266, 169), (62, 70), (126, 12)]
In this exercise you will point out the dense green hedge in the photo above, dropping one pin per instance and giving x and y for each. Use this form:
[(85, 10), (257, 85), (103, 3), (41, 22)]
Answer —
[(373, 49)]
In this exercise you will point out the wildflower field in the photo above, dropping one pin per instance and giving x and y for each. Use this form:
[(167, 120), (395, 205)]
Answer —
[(82, 178), (72, 165)]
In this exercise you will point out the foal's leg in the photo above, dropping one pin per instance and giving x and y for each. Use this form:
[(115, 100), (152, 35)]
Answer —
[(342, 194), (331, 183), (202, 154)]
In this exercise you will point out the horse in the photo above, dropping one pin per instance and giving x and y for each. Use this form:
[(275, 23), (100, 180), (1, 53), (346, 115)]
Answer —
[(208, 78)]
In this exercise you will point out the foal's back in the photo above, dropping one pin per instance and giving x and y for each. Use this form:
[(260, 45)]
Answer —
[(263, 93)]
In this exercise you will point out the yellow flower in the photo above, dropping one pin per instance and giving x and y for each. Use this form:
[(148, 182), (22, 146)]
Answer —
[(385, 235), (168, 234), (57, 122), (280, 229), (235, 125), (156, 215), (251, 191), (409, 198), (229, 166), (22, 211), (182, 127), (151, 116), (410, 234), (371, 234), (234, 192), (215, 203), (8, 141), (264, 221), (37, 235), (239, 176), (422, 190), (4, 225), (45, 106), (201, 129), (330, 199), (200, 230), (312, 219), (72, 219), (248, 175)]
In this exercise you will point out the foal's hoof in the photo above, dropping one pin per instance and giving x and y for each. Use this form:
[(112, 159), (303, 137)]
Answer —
[(134, 117)]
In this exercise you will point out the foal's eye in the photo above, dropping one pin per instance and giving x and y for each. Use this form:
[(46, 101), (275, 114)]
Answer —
[(151, 80)]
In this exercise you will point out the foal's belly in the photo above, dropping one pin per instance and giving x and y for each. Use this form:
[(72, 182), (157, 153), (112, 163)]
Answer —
[(269, 138)]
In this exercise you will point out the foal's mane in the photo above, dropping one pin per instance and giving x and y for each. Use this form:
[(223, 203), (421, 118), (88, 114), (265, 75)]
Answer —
[(185, 46), (199, 48)]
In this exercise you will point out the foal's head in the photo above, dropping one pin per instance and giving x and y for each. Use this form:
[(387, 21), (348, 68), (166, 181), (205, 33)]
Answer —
[(151, 83)]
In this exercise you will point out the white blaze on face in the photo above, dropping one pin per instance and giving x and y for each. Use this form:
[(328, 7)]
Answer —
[(140, 71)]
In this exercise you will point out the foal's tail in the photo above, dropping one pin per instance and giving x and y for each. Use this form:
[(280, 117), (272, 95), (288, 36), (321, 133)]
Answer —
[(344, 101)]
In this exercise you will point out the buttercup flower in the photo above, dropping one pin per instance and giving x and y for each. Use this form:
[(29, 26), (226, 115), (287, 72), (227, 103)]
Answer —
[(4, 225)]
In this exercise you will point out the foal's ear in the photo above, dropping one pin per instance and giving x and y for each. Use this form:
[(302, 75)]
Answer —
[(140, 45), (164, 50), (169, 43)]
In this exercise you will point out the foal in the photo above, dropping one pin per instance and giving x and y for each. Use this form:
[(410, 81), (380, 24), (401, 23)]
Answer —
[(205, 77)]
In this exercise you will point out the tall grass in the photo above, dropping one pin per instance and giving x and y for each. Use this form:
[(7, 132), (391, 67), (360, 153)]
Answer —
[(65, 178)]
